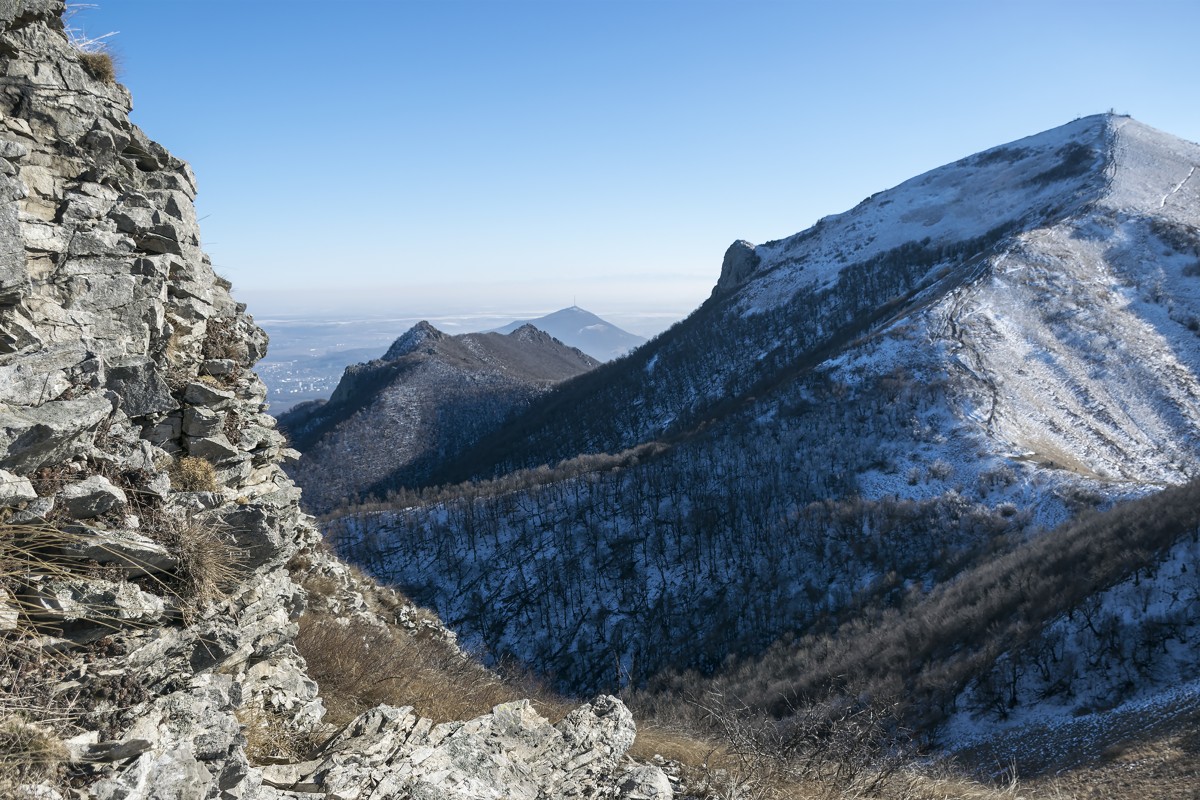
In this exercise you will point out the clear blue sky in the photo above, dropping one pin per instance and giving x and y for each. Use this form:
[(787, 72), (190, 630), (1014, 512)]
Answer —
[(449, 155)]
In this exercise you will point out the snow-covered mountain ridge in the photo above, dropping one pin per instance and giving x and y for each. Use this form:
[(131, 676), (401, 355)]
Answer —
[(857, 414), (1078, 236)]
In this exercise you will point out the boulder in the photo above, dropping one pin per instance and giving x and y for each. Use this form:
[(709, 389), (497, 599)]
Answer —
[(90, 497), (49, 433), (140, 384)]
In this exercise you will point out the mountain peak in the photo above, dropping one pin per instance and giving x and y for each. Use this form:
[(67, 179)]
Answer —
[(579, 328), (411, 339)]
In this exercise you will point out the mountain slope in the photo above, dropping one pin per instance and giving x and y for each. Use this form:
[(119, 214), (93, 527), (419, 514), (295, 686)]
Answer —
[(788, 305), (583, 330), (985, 350), (430, 396)]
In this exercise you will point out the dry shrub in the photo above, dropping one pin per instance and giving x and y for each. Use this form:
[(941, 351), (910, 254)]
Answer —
[(359, 666), (271, 740), (100, 66), (208, 564), (193, 474), (29, 754)]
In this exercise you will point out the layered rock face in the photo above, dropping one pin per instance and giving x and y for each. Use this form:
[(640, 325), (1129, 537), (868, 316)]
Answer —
[(145, 524)]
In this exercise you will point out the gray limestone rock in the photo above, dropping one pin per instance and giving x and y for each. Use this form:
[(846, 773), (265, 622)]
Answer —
[(215, 448), (645, 782), (15, 490), (10, 613), (136, 554), (202, 422), (202, 394), (139, 382), (218, 367), (65, 600), (512, 752), (32, 377), (90, 497), (14, 276), (51, 432), (190, 748)]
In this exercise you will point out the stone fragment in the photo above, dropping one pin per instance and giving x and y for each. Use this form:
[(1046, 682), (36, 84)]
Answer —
[(14, 276), (199, 393), (68, 599), (50, 433), (10, 614), (645, 782), (141, 386), (134, 553), (218, 367), (15, 490), (31, 377), (202, 422), (165, 432), (90, 497), (214, 448), (35, 512), (512, 752)]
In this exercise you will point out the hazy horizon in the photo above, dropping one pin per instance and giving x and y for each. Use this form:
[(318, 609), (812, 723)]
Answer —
[(466, 155)]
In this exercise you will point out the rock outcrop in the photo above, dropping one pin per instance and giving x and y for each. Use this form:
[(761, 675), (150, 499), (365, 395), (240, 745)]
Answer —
[(146, 608), (737, 267)]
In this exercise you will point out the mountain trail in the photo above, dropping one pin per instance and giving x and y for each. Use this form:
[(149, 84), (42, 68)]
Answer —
[(1179, 186)]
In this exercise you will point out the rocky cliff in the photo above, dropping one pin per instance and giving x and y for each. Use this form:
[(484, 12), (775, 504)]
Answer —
[(147, 612)]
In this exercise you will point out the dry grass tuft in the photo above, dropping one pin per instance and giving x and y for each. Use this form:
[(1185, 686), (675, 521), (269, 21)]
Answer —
[(359, 666), (208, 564), (270, 740), (100, 66), (29, 754), (192, 474)]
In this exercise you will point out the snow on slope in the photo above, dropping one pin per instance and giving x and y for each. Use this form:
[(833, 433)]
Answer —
[(1076, 350), (1118, 667), (958, 201)]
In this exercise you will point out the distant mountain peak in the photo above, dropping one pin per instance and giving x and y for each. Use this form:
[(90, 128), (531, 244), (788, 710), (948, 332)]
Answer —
[(581, 329), (530, 333), (413, 338)]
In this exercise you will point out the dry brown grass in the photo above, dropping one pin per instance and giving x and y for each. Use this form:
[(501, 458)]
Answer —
[(1161, 768), (359, 666), (270, 740), (208, 564), (192, 474), (100, 66), (29, 754)]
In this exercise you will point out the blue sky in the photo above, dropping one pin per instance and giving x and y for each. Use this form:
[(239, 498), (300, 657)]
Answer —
[(450, 156)]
